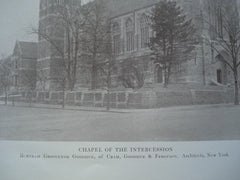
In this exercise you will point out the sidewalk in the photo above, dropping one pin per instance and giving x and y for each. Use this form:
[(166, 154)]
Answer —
[(117, 110), (66, 107)]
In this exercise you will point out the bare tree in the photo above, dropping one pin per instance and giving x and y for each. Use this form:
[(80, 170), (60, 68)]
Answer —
[(107, 69), (5, 76), (224, 27), (72, 19), (41, 78), (68, 25), (28, 81), (132, 73), (86, 32), (96, 38)]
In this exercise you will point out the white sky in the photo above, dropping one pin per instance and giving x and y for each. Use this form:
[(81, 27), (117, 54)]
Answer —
[(86, 1), (16, 16)]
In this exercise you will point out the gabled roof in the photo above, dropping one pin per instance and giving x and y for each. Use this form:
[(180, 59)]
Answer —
[(27, 50), (119, 7)]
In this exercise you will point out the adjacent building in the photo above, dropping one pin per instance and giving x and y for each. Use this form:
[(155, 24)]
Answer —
[(24, 60)]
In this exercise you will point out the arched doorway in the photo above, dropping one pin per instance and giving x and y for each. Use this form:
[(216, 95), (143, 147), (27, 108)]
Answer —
[(222, 74), (159, 74), (219, 76)]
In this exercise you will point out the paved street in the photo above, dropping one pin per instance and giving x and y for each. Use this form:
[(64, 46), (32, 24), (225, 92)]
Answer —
[(190, 123)]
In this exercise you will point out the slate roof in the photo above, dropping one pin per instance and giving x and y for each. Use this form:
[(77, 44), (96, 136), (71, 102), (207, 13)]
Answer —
[(119, 7), (27, 49)]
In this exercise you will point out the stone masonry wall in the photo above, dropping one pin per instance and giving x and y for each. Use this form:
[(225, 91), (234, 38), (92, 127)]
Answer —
[(131, 99)]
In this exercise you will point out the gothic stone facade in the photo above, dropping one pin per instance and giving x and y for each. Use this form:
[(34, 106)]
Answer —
[(130, 35)]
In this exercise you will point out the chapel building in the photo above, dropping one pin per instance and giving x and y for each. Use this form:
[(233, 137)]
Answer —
[(131, 33)]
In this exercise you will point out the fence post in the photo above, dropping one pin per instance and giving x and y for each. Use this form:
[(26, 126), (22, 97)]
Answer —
[(13, 103)]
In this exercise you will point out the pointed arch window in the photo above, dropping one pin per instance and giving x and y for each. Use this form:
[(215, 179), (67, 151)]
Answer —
[(129, 35), (116, 38), (144, 28)]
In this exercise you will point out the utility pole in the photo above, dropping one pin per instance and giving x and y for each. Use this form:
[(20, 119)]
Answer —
[(63, 92), (203, 52), (109, 83)]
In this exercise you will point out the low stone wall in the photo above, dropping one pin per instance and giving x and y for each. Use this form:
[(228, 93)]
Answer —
[(131, 99), (212, 97), (177, 98)]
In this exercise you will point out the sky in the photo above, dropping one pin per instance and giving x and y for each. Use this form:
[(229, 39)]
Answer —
[(16, 17)]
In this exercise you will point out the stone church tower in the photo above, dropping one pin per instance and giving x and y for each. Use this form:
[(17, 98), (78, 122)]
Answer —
[(51, 45)]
